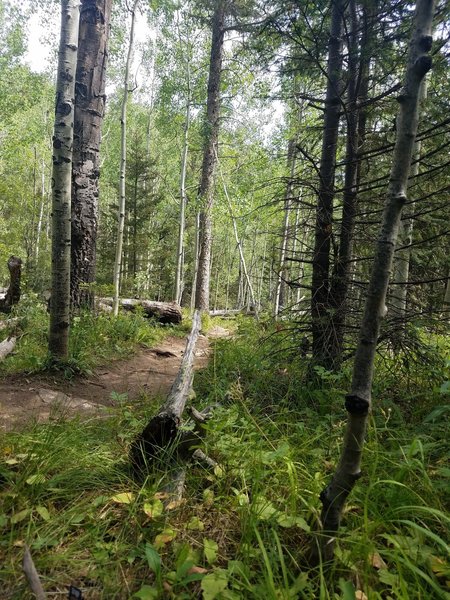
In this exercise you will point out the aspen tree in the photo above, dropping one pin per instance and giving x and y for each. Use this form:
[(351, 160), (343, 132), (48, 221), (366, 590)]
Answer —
[(62, 178)]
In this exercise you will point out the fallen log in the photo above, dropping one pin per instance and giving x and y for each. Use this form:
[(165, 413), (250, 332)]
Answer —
[(163, 429), (232, 312), (12, 295), (165, 312), (7, 346)]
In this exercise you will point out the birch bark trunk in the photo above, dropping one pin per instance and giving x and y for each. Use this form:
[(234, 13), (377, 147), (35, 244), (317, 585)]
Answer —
[(89, 110), (123, 166), (400, 276), (62, 178), (285, 231), (183, 198), (358, 401), (211, 134)]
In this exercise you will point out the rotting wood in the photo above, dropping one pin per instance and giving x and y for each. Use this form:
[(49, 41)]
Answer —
[(7, 346), (164, 428), (12, 295), (165, 312), (32, 575)]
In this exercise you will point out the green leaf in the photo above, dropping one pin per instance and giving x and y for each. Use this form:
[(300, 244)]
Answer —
[(214, 583), (153, 559), (264, 509), (154, 509), (348, 589), (293, 521), (20, 516), (35, 479), (146, 593), (123, 498), (43, 512), (210, 548), (195, 524)]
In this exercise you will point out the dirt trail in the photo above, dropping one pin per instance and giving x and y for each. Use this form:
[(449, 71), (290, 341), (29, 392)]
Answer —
[(151, 371)]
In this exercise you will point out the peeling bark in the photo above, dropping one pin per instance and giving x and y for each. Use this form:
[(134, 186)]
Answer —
[(358, 401), (62, 179), (89, 110)]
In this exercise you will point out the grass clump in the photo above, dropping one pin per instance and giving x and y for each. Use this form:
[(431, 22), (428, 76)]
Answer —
[(94, 339), (243, 530)]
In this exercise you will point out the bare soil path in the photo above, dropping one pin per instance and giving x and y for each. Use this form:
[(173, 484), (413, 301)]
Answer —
[(151, 371)]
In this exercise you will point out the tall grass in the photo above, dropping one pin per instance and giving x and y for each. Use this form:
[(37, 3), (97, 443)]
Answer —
[(245, 529)]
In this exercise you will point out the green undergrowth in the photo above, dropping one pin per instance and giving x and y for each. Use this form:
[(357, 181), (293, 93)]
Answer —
[(94, 339), (243, 530)]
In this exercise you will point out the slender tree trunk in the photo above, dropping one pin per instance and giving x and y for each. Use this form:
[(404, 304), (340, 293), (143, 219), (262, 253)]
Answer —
[(196, 258), (123, 166), (89, 110), (236, 237), (402, 256), (335, 318), (324, 215), (211, 134), (358, 401), (285, 231), (41, 213), (294, 250), (62, 177), (183, 197), (183, 202)]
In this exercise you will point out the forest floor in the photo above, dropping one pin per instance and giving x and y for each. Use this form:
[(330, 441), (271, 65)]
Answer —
[(24, 398)]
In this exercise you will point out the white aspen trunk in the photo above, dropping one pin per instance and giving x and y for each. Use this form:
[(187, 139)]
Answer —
[(41, 212), (236, 235), (402, 256), (183, 198), (358, 401), (261, 277), (123, 166), (196, 257), (285, 232), (62, 180), (294, 252)]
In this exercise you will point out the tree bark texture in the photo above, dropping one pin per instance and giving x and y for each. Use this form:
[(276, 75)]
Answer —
[(164, 312), (356, 121), (179, 284), (89, 110), (12, 295), (324, 215), (123, 166), (400, 276), (162, 430), (358, 401), (211, 134), (291, 160), (62, 180)]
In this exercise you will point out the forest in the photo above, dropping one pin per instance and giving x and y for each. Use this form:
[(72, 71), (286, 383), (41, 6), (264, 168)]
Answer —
[(224, 299)]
